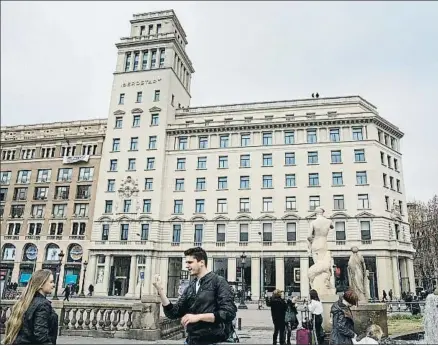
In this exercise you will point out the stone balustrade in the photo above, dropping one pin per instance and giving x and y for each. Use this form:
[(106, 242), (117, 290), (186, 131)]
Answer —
[(94, 318)]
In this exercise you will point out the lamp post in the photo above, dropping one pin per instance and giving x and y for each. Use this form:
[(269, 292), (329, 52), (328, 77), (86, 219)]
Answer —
[(82, 294), (242, 296), (262, 272), (58, 271)]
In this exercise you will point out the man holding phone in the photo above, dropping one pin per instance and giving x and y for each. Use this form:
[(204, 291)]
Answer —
[(206, 307)]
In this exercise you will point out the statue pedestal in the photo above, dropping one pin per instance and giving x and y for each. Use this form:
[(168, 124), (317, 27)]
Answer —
[(327, 301), (366, 314)]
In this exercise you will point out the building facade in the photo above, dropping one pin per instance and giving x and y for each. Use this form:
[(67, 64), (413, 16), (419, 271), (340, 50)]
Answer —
[(48, 181), (238, 178)]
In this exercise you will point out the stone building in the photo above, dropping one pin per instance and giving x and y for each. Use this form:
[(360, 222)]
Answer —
[(238, 178), (48, 181)]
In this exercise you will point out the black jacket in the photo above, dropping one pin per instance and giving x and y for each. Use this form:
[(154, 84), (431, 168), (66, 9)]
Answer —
[(214, 296), (343, 325), (40, 323), (278, 310)]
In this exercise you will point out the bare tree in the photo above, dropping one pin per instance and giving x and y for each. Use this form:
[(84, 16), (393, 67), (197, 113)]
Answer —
[(423, 220)]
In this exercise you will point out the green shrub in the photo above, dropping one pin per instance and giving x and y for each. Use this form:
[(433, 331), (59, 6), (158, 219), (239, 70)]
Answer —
[(405, 317)]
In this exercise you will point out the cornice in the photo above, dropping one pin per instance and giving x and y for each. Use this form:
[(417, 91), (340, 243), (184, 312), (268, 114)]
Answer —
[(388, 127)]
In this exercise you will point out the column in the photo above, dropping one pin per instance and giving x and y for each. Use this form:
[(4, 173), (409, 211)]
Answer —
[(279, 273), (91, 270), (411, 273), (163, 263), (255, 278), (61, 278), (395, 277), (403, 274), (210, 263), (383, 267), (15, 272), (304, 277), (132, 276), (107, 273), (232, 262), (148, 276)]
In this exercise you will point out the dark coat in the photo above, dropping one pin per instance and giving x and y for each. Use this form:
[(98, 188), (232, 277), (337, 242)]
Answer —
[(343, 324), (278, 310), (40, 323), (214, 296)]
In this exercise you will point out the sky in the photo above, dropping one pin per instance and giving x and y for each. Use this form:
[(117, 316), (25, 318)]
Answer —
[(57, 60)]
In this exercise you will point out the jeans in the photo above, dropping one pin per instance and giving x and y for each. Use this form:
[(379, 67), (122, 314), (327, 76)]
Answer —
[(279, 327)]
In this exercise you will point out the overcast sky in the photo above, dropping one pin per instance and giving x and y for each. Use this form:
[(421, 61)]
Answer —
[(57, 60)]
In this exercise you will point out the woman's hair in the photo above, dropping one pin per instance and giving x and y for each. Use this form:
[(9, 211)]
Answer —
[(15, 321), (277, 293), (374, 331), (314, 295), (351, 297)]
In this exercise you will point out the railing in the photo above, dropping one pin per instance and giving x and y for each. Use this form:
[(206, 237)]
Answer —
[(171, 329)]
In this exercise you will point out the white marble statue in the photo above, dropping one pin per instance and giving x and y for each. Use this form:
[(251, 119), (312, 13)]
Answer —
[(321, 271), (357, 272), (431, 318)]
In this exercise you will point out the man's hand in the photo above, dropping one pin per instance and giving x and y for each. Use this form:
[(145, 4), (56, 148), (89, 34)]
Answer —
[(189, 318), (157, 283)]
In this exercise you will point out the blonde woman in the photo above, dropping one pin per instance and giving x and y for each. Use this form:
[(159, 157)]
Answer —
[(373, 336), (33, 320)]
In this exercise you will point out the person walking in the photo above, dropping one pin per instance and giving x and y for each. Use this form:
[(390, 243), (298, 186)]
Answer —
[(206, 307), (291, 318), (33, 320), (66, 292), (384, 299), (90, 290), (390, 295), (278, 313), (315, 308), (343, 324)]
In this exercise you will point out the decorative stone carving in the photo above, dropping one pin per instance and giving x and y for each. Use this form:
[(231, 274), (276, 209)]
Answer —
[(128, 188), (357, 274)]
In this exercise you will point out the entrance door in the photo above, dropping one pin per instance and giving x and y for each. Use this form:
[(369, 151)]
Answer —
[(122, 267)]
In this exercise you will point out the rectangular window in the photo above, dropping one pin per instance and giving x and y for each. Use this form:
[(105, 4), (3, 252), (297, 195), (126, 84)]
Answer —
[(222, 183), (44, 175), (244, 205), (179, 184), (181, 164), (126, 206), (359, 155), (400, 207), (363, 202), (382, 158), (105, 231), (311, 136), (144, 64), (147, 206), (391, 183), (172, 101), (337, 178), (267, 204), (398, 185), (116, 144), (176, 234), (365, 230), (267, 160), (340, 231), (222, 206), (131, 164), (267, 182), (338, 202), (144, 231), (41, 193), (244, 182), (108, 207), (152, 142), (357, 134), (289, 159), (387, 202), (203, 142), (81, 209), (361, 178), (243, 232), (202, 162), (121, 99), (5, 177), (65, 174), (389, 161), (156, 95), (198, 233), (291, 203), (224, 141), (314, 202), (245, 140), (23, 177), (336, 156), (155, 120), (267, 232), (178, 206), (134, 143), (113, 165), (267, 138), (139, 97), (291, 231), (245, 161), (119, 123), (136, 58), (136, 121), (150, 163), (182, 143), (313, 179), (290, 180), (312, 157), (396, 164), (200, 184), (124, 231), (289, 137), (127, 61), (223, 161), (200, 206), (162, 53), (148, 184), (154, 58), (334, 135)]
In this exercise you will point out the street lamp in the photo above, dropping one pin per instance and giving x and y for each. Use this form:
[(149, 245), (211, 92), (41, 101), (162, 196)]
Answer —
[(262, 272), (242, 296), (58, 271), (82, 294)]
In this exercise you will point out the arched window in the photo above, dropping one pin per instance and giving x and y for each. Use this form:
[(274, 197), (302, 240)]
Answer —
[(52, 252), (8, 252)]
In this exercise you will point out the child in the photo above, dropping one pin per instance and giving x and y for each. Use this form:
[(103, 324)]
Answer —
[(373, 336)]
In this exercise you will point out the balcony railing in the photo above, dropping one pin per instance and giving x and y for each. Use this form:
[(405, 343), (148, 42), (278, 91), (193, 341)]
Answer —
[(77, 237), (33, 237), (54, 237)]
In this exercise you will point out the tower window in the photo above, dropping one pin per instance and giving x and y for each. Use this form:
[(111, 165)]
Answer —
[(151, 27), (142, 30), (157, 96), (158, 28), (128, 62)]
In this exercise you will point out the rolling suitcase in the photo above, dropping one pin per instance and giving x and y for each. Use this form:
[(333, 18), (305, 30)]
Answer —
[(303, 336)]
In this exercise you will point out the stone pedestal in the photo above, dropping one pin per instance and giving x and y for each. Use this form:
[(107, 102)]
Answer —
[(145, 319), (370, 313), (327, 301)]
